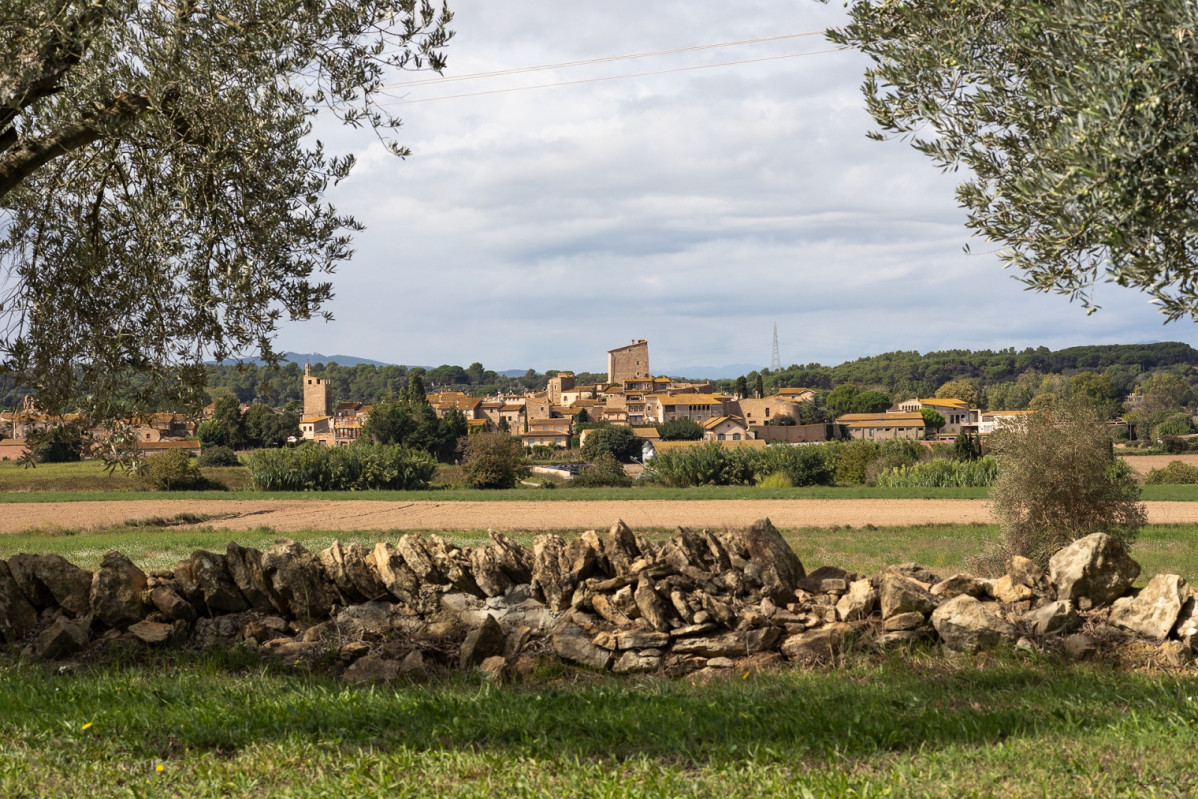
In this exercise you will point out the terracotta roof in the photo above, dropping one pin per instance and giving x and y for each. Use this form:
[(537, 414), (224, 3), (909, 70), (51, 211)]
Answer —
[(752, 443), (881, 419), (151, 445), (716, 421)]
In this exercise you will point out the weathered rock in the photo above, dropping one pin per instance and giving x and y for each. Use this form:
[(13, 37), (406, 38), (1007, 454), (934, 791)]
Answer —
[(1187, 624), (607, 609), (353, 573), (152, 632), (918, 573), (621, 548), (898, 593), (414, 551), (482, 642), (62, 638), (493, 668), (778, 566), (965, 625), (685, 549), (69, 585), (516, 640), (453, 562), (1023, 571), (1095, 567), (244, 565), (641, 639), (1175, 654), (726, 645), (551, 570), (651, 606), (896, 639), (762, 639), (824, 578), (912, 620), (222, 632), (174, 607), (816, 646), (485, 569), (1006, 590), (118, 590), (22, 568), (1154, 611), (513, 559), (221, 593), (17, 616), (395, 575), (375, 667), (369, 621), (1053, 618), (858, 603), (298, 580), (185, 584), (572, 644), (413, 663), (632, 662), (959, 584)]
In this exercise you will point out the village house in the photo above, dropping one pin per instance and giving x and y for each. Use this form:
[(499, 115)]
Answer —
[(957, 414), (881, 426), (552, 432), (726, 428), (991, 421)]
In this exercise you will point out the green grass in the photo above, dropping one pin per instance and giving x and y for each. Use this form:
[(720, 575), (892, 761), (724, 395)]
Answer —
[(996, 725), (947, 548)]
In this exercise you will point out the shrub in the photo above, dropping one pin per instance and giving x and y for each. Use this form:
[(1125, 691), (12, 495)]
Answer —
[(361, 467), (493, 460), (705, 464), (605, 471), (775, 480), (174, 470), (1059, 480), (851, 461), (1174, 473), (680, 430), (618, 441), (942, 473), (60, 444), (218, 456), (802, 465)]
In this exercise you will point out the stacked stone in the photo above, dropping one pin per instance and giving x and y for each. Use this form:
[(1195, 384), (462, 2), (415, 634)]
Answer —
[(701, 602)]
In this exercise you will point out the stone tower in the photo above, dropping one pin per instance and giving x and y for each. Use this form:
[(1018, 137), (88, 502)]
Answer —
[(630, 362), (318, 395)]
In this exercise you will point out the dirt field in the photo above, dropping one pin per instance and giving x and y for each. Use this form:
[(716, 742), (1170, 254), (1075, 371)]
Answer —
[(290, 515), (1143, 464)]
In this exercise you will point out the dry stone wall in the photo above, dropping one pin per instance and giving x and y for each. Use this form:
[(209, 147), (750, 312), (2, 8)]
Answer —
[(615, 601)]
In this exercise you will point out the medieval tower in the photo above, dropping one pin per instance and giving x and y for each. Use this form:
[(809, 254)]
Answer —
[(318, 395), (630, 362)]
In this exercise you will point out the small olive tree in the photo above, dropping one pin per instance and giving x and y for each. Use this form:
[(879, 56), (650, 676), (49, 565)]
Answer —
[(1059, 481)]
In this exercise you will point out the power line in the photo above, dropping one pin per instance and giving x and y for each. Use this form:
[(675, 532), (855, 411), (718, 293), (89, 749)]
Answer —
[(600, 60), (610, 77)]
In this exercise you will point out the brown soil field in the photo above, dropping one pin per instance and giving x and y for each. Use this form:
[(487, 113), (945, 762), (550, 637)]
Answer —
[(1143, 464), (292, 515)]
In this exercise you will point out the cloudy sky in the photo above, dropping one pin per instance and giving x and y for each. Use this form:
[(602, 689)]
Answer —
[(549, 215)]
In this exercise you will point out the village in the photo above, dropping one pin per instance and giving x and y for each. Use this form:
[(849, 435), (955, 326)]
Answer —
[(564, 410)]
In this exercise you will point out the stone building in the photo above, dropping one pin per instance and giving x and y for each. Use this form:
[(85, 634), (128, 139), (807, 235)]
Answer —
[(630, 362)]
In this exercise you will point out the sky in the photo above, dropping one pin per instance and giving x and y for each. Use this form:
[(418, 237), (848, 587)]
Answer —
[(677, 197)]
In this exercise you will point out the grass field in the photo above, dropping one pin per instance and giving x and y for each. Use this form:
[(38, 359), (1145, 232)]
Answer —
[(1004, 724)]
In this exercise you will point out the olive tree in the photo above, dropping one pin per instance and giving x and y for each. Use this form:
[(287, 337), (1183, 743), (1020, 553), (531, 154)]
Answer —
[(1075, 122), (161, 197), (1059, 480)]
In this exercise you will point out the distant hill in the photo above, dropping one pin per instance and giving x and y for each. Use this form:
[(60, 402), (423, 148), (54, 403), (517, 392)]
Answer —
[(307, 357)]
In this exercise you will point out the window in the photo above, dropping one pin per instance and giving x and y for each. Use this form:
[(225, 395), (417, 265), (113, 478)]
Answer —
[(767, 412)]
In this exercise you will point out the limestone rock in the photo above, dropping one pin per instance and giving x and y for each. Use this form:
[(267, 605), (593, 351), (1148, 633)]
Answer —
[(685, 549), (221, 593), (1053, 618), (1187, 624), (901, 594), (858, 603), (17, 615), (482, 642), (352, 572), (727, 645), (67, 583), (911, 620), (244, 565), (551, 570), (22, 568), (1095, 567), (816, 646), (621, 548), (174, 607), (117, 591), (959, 584), (453, 562), (297, 579), (222, 632), (1023, 571), (152, 632), (395, 575), (491, 579), (1154, 611), (653, 609), (62, 638), (641, 639), (1005, 589), (414, 551), (375, 667), (572, 644), (1080, 647), (369, 621), (965, 625), (777, 564), (632, 662), (514, 560)]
